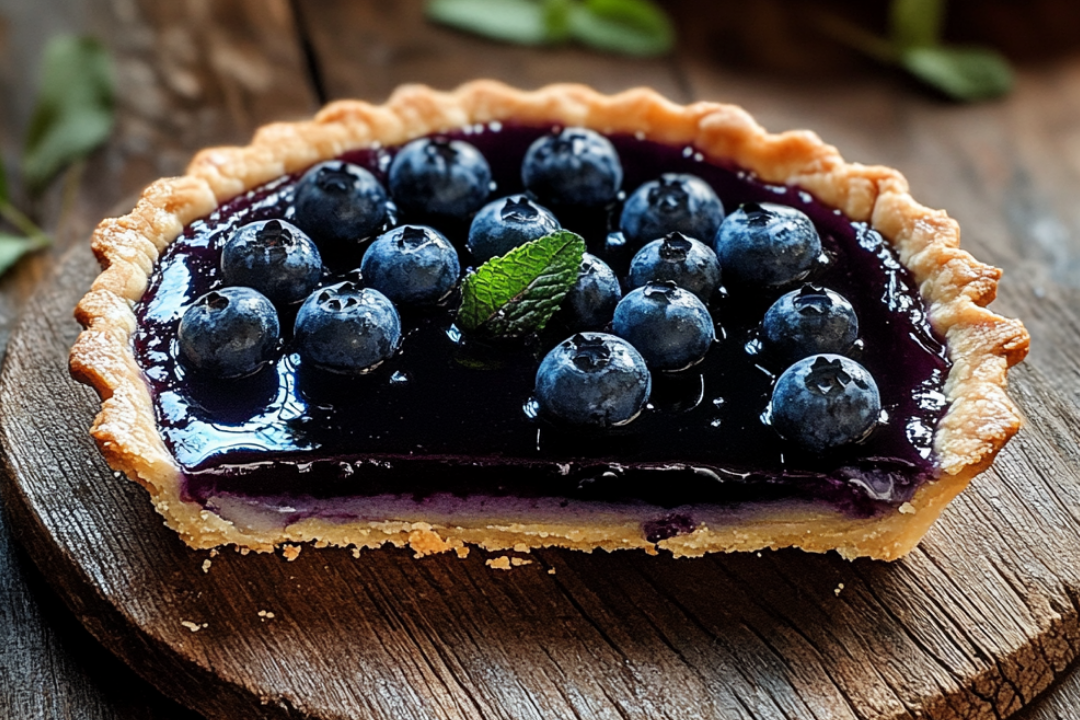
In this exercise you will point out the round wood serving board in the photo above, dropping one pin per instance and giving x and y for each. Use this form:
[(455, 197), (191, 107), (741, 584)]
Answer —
[(972, 624)]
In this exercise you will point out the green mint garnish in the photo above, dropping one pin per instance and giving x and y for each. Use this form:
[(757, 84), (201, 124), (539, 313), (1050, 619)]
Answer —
[(72, 116), (631, 27), (74, 111), (517, 293), (914, 43)]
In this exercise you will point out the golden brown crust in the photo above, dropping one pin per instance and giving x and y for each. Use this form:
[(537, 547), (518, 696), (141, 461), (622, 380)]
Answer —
[(982, 345)]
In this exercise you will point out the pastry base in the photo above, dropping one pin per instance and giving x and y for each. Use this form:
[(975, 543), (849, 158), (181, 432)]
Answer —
[(590, 526)]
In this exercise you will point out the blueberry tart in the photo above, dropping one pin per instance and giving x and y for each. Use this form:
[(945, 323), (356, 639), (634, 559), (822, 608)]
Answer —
[(555, 318)]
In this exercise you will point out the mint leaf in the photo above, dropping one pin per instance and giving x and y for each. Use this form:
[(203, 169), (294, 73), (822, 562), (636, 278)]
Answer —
[(631, 27), (74, 111), (557, 19), (517, 293), (12, 248), (517, 21), (961, 73), (916, 23)]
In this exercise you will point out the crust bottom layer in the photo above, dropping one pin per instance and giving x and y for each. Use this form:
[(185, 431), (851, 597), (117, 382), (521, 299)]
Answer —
[(811, 527)]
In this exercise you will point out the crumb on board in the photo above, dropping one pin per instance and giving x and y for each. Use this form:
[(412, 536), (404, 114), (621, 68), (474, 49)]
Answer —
[(425, 541), (291, 552), (505, 562), (462, 551), (194, 627), (907, 509), (214, 552), (266, 615), (551, 571), (206, 565), (356, 552), (838, 589)]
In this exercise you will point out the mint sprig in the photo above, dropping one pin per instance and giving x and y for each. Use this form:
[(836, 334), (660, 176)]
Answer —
[(914, 44), (630, 27), (517, 294), (73, 115), (74, 111)]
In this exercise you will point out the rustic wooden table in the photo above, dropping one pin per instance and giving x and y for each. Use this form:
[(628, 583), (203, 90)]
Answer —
[(193, 73)]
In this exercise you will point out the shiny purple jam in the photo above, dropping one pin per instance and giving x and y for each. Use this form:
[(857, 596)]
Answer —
[(445, 418)]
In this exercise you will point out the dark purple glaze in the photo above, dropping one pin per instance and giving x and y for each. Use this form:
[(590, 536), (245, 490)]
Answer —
[(443, 416)]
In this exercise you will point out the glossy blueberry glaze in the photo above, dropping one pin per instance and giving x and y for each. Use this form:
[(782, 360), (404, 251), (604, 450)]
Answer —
[(445, 416)]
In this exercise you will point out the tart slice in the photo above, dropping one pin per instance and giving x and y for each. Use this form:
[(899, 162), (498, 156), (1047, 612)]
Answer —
[(554, 318)]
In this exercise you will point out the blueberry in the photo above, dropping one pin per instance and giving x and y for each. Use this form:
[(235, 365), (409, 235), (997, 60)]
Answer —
[(273, 257), (767, 244), (675, 202), (825, 401), (439, 178), (593, 379), (347, 329), (339, 203), (809, 321), (504, 224), (669, 326), (411, 265), (689, 263), (592, 300), (229, 333), (574, 168)]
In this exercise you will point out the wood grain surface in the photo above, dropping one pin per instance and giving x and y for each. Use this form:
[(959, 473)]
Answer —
[(975, 624)]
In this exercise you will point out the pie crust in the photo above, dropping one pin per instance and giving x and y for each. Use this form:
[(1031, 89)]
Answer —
[(981, 345)]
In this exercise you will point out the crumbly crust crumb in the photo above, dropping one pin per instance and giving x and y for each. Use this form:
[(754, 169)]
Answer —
[(982, 345)]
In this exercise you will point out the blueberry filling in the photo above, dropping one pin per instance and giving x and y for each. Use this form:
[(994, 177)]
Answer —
[(443, 416)]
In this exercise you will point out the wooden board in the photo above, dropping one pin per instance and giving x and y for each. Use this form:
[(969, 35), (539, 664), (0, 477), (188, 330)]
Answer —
[(973, 624)]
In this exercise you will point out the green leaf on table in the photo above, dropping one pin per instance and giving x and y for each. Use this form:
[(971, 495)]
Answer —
[(517, 293), (12, 248), (518, 21), (631, 27), (961, 73), (74, 111), (557, 19), (916, 23)]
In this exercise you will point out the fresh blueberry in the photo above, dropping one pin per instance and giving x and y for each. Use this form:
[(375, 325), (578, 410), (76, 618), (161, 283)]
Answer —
[(809, 321), (767, 244), (338, 203), (592, 300), (574, 168), (411, 265), (347, 329), (229, 333), (675, 202), (593, 379), (439, 178), (689, 263), (669, 326), (273, 257), (825, 401), (504, 224)]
